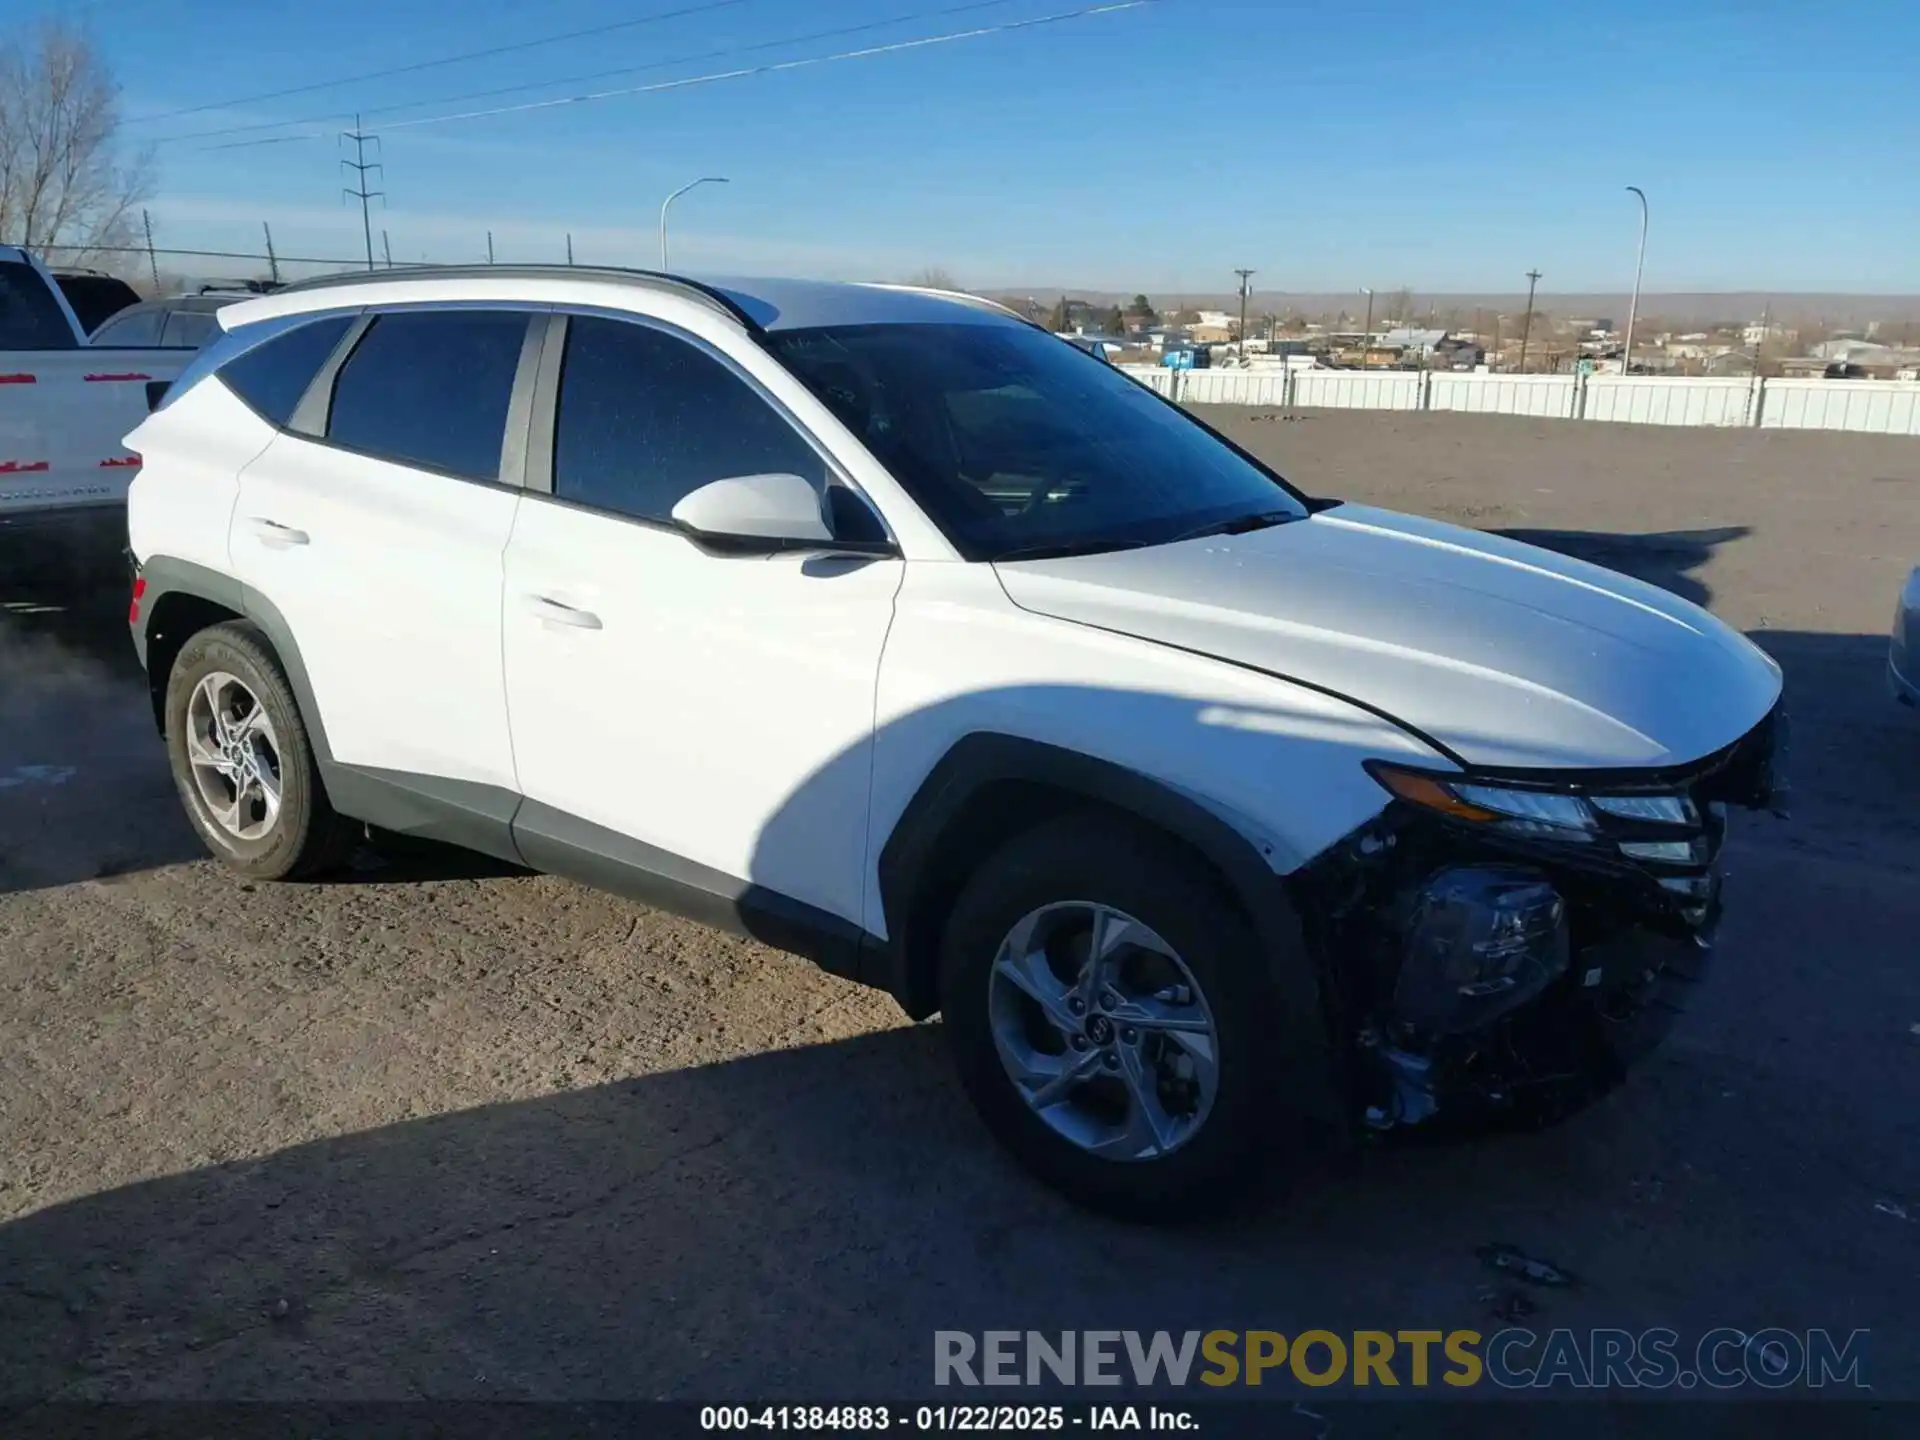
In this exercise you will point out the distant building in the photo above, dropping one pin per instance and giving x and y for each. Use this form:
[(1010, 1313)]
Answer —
[(1419, 344)]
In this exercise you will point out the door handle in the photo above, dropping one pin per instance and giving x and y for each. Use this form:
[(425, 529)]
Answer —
[(274, 535), (553, 613)]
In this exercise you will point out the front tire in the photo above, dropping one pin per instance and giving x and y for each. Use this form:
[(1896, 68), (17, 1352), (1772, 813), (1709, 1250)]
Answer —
[(242, 759), (1113, 1020)]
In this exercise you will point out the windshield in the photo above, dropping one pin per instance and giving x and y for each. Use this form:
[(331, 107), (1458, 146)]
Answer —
[(1019, 445)]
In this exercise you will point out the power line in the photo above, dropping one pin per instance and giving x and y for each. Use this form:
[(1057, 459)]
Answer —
[(893, 48), (720, 54), (444, 60)]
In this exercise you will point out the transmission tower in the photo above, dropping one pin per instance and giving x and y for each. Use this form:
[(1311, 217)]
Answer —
[(361, 168)]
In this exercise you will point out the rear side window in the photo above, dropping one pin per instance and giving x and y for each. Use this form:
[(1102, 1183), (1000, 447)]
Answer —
[(30, 318), (273, 375), (645, 418), (142, 328), (190, 327), (431, 389)]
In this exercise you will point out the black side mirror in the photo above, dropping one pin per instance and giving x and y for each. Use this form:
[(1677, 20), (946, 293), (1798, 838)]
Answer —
[(156, 392)]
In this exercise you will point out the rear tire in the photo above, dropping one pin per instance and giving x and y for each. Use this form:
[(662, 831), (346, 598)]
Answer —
[(1201, 994), (243, 762)]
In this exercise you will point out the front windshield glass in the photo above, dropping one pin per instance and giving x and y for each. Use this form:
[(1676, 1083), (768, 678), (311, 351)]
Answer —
[(1017, 444)]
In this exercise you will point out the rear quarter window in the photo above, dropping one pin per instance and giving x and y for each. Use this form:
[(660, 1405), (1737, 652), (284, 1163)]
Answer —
[(140, 328), (272, 375), (30, 318)]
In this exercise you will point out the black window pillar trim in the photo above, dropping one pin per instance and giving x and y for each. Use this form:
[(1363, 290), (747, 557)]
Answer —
[(315, 409)]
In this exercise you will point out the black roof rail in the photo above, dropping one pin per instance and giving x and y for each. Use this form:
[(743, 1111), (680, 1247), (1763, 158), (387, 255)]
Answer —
[(649, 279)]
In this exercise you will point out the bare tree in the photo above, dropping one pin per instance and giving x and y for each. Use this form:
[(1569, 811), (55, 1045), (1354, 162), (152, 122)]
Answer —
[(935, 278), (64, 183)]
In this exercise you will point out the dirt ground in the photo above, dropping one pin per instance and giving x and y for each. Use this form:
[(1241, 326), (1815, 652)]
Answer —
[(437, 1129)]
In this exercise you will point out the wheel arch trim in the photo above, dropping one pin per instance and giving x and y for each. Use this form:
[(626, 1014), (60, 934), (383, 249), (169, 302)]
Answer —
[(906, 964)]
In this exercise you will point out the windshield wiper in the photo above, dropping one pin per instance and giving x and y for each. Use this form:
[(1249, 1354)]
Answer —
[(1053, 550), (1239, 525)]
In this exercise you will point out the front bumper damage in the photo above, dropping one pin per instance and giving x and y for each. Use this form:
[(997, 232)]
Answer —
[(1623, 927)]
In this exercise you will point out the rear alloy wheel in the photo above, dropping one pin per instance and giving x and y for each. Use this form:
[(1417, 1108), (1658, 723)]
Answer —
[(1114, 1022), (242, 759), (234, 755)]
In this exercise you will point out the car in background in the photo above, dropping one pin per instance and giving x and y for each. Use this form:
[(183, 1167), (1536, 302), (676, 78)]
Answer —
[(65, 408), (1903, 654), (174, 321), (94, 296)]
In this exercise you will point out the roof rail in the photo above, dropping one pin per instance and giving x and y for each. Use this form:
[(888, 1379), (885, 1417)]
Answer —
[(646, 279), (978, 302)]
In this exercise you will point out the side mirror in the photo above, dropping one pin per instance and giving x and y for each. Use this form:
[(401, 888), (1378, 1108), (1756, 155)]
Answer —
[(760, 510)]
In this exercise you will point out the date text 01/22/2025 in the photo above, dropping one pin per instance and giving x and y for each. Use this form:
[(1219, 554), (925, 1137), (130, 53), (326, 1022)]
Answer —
[(985, 1419)]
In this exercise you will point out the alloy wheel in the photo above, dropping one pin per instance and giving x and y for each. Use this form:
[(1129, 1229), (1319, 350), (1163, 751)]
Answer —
[(234, 755), (1103, 1031)]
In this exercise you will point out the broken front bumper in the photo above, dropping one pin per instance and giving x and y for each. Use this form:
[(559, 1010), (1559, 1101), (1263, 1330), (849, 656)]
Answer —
[(1586, 952)]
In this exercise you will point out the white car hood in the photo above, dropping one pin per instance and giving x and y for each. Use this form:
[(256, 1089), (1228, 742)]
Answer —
[(1506, 654)]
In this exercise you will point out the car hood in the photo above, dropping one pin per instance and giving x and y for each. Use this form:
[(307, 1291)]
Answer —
[(1505, 654)]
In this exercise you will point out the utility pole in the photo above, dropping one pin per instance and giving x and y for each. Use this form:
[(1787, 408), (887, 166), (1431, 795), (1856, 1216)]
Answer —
[(386, 248), (1246, 288), (153, 265), (1526, 331), (569, 247), (273, 263), (361, 167), (1366, 338), (490, 247)]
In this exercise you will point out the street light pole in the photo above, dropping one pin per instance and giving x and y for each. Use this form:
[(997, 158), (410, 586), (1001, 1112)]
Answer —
[(1639, 265), (703, 180), (1366, 338), (1526, 332)]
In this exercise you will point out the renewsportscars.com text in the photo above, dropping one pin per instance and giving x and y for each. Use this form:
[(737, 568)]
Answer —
[(1726, 1358)]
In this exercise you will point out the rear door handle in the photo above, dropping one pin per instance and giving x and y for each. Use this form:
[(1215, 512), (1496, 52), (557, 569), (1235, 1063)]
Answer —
[(274, 535), (552, 612)]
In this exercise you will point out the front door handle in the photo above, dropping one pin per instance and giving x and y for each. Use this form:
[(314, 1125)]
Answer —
[(552, 612), (274, 535)]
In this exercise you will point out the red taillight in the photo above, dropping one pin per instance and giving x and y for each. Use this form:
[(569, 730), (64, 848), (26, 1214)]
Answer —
[(139, 589)]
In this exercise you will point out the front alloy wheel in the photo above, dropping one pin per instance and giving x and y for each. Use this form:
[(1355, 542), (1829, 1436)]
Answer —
[(1117, 1026), (1104, 1031)]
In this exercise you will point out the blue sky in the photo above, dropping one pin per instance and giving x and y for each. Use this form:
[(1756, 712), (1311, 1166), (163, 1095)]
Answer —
[(1442, 146)]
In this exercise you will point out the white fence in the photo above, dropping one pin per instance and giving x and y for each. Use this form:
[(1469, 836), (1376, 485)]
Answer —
[(1879, 407)]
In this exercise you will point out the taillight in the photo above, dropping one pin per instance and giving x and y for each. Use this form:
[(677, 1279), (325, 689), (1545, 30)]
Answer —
[(139, 592)]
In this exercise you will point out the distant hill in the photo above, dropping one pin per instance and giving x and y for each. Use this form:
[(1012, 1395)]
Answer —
[(1707, 307)]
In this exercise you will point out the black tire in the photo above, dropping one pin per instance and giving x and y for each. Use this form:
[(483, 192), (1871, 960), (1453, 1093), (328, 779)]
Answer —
[(1102, 859), (307, 837)]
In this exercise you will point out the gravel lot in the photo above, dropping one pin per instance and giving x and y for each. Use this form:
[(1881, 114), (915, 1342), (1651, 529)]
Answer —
[(439, 1129)]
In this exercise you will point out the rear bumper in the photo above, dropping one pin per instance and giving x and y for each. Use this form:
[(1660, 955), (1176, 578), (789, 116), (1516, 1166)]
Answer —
[(106, 521)]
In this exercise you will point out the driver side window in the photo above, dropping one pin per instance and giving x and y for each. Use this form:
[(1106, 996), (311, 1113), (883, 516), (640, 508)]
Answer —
[(644, 418)]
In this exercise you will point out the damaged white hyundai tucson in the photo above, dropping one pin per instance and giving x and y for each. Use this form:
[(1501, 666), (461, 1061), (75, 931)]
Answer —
[(881, 626)]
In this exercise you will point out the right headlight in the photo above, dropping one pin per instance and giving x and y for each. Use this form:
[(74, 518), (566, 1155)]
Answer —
[(1536, 812)]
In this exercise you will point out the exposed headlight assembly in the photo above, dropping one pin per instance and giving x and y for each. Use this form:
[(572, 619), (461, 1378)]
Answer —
[(1539, 814)]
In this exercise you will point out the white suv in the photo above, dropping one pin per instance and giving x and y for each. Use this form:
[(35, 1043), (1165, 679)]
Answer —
[(883, 626)]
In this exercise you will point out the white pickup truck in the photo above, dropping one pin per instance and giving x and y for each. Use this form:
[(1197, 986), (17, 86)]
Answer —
[(64, 408)]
